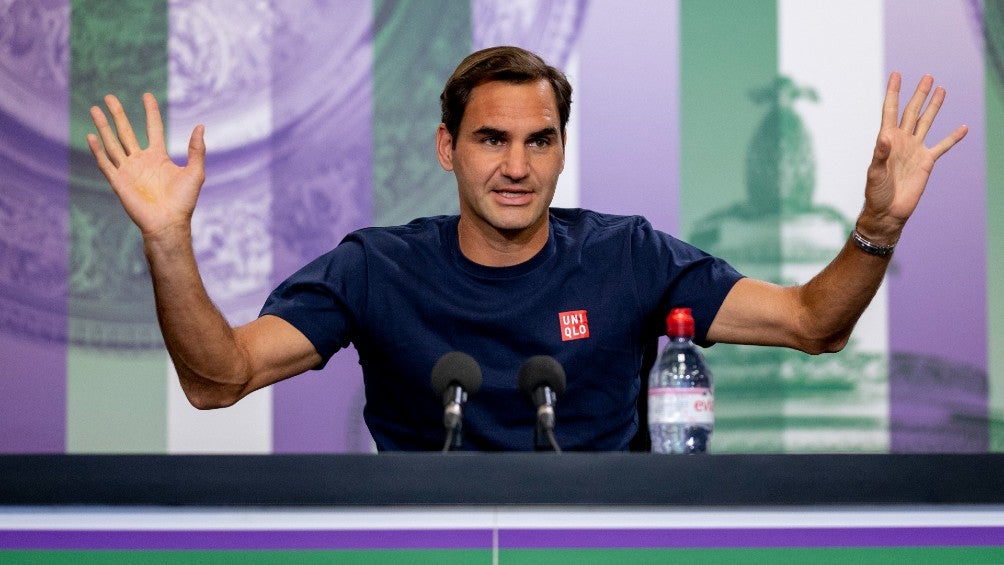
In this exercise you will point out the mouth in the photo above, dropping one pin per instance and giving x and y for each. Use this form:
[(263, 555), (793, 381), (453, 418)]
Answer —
[(514, 196)]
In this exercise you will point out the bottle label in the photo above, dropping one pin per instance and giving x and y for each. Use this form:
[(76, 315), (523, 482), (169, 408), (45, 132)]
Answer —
[(681, 406)]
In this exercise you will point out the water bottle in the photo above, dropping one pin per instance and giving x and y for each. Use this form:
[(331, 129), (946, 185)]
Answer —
[(681, 407)]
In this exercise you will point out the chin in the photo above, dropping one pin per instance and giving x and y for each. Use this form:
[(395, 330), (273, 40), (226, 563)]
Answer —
[(509, 223)]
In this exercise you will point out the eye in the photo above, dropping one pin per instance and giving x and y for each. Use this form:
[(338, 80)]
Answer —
[(540, 143), (493, 140)]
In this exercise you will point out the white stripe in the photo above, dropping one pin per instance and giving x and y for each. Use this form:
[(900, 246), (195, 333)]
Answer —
[(494, 517), (231, 228), (244, 428), (837, 49), (567, 193)]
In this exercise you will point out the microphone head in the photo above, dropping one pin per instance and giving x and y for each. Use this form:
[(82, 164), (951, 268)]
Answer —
[(458, 368), (541, 370)]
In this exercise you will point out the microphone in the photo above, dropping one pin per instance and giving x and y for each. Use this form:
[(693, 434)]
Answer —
[(454, 376), (542, 379)]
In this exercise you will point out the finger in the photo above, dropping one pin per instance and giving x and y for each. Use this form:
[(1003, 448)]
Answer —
[(105, 165), (197, 148), (913, 107), (890, 108), (949, 141), (126, 135), (933, 107), (154, 123), (108, 139)]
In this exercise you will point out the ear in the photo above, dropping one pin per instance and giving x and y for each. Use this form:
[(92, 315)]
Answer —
[(444, 147)]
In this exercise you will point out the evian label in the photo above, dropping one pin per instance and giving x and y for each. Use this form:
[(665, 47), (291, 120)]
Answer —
[(574, 325), (681, 406)]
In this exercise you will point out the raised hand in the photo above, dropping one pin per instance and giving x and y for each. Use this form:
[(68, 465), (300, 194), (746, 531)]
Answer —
[(901, 164), (155, 192)]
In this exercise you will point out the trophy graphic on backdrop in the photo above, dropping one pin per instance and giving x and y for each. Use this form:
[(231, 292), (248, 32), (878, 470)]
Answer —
[(771, 399)]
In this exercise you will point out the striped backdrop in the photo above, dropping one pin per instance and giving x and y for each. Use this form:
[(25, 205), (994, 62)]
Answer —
[(744, 127)]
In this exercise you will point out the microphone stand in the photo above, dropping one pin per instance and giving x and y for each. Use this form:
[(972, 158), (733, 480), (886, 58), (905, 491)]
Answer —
[(544, 440), (543, 434), (454, 439), (453, 420)]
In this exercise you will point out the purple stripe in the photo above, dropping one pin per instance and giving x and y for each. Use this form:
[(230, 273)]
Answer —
[(941, 261), (33, 397), (244, 540), (507, 539), (752, 538), (626, 110), (321, 411), (937, 288), (34, 219), (322, 189)]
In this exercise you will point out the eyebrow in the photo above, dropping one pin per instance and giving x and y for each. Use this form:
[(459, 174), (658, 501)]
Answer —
[(487, 131), (495, 132), (546, 132)]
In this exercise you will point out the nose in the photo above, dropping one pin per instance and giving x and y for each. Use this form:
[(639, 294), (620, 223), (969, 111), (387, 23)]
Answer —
[(516, 164)]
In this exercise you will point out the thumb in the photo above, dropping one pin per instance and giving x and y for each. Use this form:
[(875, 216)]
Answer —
[(883, 145), (197, 148)]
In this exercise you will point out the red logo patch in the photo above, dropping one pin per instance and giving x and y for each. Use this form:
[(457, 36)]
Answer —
[(574, 325)]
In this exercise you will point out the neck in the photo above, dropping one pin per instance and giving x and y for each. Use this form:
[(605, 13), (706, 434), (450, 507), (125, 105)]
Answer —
[(498, 248)]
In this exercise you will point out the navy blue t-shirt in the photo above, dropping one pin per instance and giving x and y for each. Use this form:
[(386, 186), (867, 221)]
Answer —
[(595, 298)]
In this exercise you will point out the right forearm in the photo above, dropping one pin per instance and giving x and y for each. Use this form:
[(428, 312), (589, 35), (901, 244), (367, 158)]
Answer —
[(159, 197), (199, 339)]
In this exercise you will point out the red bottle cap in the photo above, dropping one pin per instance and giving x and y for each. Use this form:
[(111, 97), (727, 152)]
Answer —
[(680, 323)]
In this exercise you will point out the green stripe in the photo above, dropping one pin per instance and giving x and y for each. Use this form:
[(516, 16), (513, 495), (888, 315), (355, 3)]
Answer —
[(994, 85), (728, 51), (816, 556), (116, 392), (416, 46)]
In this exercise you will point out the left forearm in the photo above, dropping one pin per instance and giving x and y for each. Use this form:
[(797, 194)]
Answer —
[(833, 301), (816, 317)]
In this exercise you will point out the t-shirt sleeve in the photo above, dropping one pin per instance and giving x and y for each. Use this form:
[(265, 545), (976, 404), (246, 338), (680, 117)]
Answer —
[(324, 299), (673, 273)]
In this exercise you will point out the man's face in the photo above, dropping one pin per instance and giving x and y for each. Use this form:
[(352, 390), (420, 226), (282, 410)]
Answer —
[(507, 157)]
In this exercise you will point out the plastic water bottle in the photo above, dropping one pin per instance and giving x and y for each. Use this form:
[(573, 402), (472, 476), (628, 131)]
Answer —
[(681, 406)]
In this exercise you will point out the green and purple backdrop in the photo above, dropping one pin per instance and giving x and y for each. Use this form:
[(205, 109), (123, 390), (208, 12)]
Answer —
[(745, 127)]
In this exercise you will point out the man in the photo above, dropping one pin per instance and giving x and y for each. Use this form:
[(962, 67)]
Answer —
[(507, 279)]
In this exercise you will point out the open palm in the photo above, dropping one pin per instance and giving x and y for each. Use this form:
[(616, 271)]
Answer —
[(902, 164), (155, 192)]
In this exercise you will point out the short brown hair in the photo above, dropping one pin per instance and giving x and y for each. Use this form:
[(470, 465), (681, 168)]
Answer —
[(506, 64)]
